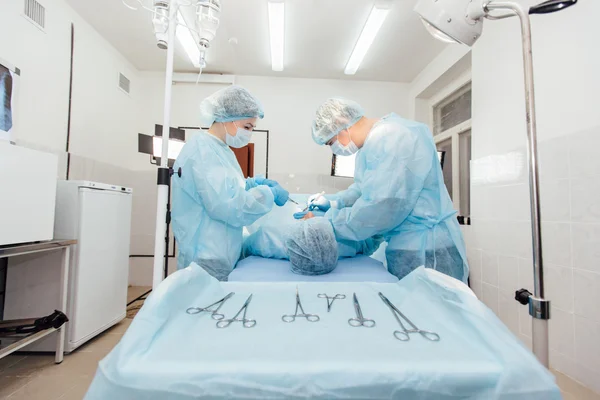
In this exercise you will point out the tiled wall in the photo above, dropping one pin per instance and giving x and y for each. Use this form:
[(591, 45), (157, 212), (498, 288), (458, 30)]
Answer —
[(499, 245)]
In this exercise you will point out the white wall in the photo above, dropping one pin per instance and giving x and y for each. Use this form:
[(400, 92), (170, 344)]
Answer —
[(103, 118), (499, 244)]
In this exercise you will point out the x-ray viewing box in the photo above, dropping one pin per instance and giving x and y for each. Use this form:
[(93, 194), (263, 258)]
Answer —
[(28, 194)]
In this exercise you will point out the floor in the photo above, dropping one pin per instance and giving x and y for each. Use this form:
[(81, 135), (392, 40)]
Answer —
[(36, 377)]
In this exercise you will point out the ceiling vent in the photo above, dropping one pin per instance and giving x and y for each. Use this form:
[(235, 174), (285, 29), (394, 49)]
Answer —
[(124, 83), (35, 13)]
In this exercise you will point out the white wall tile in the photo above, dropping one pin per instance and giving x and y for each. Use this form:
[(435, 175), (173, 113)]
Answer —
[(508, 273), (489, 268), (477, 289), (587, 294), (525, 321), (562, 332), (587, 343), (555, 200), (586, 246), (526, 274), (588, 377), (585, 200), (508, 311), (556, 243), (511, 203), (583, 153), (562, 363), (490, 297), (553, 158), (474, 260), (559, 286), (513, 238)]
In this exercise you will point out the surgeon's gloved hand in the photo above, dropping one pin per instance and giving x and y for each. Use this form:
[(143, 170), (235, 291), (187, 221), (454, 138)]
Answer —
[(281, 195), (261, 180), (319, 203)]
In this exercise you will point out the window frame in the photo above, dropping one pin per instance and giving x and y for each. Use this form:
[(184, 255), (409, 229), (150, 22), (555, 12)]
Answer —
[(450, 93)]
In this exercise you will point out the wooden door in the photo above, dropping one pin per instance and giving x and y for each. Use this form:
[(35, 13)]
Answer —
[(245, 157)]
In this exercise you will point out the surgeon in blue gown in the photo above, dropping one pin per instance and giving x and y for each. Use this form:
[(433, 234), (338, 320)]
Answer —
[(398, 189), (212, 201)]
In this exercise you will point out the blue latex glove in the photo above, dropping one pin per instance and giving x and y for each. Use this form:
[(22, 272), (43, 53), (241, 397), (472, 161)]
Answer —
[(261, 180), (320, 203), (281, 195)]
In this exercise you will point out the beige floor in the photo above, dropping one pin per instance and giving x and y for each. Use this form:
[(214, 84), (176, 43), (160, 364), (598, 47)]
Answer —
[(36, 377)]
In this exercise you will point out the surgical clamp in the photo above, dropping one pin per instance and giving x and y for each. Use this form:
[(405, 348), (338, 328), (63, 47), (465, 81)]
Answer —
[(292, 318), (246, 323), (404, 333), (215, 312), (309, 204), (359, 320), (330, 300)]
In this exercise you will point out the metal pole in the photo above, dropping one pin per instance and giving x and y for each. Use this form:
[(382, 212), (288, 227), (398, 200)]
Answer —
[(539, 308), (163, 170)]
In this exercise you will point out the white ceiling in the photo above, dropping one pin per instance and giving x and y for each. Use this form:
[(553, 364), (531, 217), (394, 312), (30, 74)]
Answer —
[(319, 38)]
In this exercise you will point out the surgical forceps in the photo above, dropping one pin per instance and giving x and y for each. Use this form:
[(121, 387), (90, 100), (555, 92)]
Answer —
[(330, 300), (404, 333), (292, 318), (293, 201), (215, 312), (246, 323), (359, 320)]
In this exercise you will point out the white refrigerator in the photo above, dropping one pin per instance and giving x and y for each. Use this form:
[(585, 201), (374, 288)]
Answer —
[(99, 217)]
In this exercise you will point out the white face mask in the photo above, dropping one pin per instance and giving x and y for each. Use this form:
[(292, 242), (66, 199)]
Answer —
[(242, 137), (340, 150)]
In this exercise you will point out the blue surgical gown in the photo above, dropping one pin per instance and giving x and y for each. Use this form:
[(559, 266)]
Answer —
[(399, 192), (212, 202)]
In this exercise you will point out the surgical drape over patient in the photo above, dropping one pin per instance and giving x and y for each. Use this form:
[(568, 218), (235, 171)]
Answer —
[(229, 104)]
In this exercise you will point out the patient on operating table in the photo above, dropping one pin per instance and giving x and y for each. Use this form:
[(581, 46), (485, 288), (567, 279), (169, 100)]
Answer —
[(310, 245)]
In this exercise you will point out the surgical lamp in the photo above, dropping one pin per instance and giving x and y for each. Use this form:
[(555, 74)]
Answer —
[(461, 21)]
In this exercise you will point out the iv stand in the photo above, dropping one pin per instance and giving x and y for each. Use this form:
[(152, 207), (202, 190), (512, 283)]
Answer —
[(163, 176), (539, 307)]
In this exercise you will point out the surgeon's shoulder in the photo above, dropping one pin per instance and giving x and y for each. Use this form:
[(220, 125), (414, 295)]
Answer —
[(389, 133)]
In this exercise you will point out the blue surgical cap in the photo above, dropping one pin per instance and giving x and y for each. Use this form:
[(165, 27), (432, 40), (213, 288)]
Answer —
[(312, 248), (229, 104), (333, 116)]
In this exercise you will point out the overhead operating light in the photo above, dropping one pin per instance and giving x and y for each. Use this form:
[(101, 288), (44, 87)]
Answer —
[(461, 21), (187, 41), (277, 33), (367, 36), (175, 147)]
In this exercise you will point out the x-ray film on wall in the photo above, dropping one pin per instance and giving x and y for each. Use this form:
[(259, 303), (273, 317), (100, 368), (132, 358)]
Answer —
[(9, 77)]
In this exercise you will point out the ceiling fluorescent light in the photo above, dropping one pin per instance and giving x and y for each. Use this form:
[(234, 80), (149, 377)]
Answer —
[(185, 37), (366, 38), (276, 31)]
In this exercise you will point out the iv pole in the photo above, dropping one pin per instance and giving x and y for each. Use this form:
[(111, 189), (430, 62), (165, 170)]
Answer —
[(163, 177)]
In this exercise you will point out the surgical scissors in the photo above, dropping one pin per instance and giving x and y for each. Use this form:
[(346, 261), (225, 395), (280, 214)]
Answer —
[(404, 333), (359, 320), (215, 313), (330, 299), (246, 323), (292, 318)]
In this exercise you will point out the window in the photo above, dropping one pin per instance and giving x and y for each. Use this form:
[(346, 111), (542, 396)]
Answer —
[(452, 135), (343, 166)]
